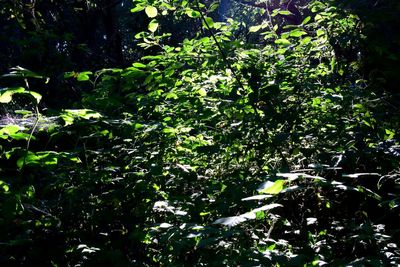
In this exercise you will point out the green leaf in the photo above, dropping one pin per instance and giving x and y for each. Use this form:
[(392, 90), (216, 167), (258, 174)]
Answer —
[(281, 12), (171, 95), (297, 33), (192, 13), (8, 131), (6, 97), (21, 136), (5, 186), (83, 76), (153, 25), (260, 215), (272, 187), (306, 20), (45, 158), (205, 40), (333, 63), (169, 130), (255, 28), (213, 7), (133, 72), (7, 93), (151, 11), (69, 115), (202, 92), (137, 9), (320, 32), (305, 40), (37, 96), (390, 133), (283, 42), (209, 21), (284, 12), (138, 126), (139, 65)]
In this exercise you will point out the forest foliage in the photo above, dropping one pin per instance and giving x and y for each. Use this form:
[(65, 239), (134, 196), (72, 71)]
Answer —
[(188, 133)]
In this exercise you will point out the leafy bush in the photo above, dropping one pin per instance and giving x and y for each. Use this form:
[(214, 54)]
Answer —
[(243, 144)]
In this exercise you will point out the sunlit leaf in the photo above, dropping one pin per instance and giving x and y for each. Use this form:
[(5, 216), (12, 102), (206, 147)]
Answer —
[(6, 97), (297, 33), (69, 115), (230, 221), (255, 28), (9, 129), (83, 76), (236, 220), (311, 220), (256, 197), (305, 40), (170, 130), (320, 32), (272, 187), (202, 92), (153, 25), (358, 175), (21, 136), (280, 12), (139, 65), (7, 93), (151, 11), (213, 7), (137, 9), (40, 158), (20, 72), (37, 96), (306, 20), (192, 13), (283, 42), (209, 22), (165, 225), (267, 207), (4, 186)]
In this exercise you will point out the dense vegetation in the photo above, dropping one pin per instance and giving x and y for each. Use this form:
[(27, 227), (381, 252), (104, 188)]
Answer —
[(187, 133)]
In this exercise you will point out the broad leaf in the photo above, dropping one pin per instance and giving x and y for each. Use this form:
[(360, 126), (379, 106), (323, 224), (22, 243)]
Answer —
[(151, 11), (153, 25), (272, 187)]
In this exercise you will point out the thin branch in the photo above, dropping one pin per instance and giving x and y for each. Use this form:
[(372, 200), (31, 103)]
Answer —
[(224, 57), (241, 85)]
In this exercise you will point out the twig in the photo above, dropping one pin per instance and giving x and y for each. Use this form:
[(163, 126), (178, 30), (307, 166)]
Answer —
[(28, 143)]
